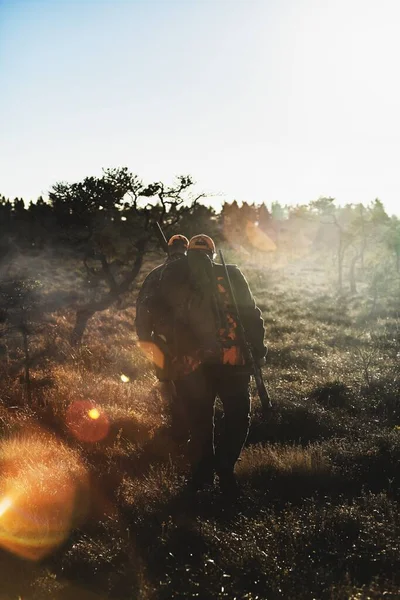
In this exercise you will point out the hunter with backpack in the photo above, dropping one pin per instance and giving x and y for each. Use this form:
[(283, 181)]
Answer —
[(214, 339)]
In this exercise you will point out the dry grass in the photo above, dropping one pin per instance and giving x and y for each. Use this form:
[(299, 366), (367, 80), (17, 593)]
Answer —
[(318, 517), (41, 481), (283, 460)]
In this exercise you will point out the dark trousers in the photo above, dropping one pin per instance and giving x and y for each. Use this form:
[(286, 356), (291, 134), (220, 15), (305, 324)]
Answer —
[(198, 392), (177, 412)]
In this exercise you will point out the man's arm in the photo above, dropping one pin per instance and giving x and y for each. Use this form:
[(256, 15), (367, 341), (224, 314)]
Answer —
[(144, 319), (250, 314)]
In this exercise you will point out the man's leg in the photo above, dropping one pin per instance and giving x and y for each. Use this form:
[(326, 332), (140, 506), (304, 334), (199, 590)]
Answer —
[(178, 417), (196, 393), (233, 390)]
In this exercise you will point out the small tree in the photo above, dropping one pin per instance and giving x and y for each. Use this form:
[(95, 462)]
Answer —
[(393, 241), (21, 311), (264, 218), (108, 222)]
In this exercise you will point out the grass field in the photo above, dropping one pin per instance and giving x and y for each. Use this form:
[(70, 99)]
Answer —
[(94, 502)]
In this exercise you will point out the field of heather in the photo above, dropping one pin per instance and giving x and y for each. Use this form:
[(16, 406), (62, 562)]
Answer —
[(94, 503)]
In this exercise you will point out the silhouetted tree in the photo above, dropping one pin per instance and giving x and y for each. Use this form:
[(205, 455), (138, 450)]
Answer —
[(21, 310), (201, 219), (108, 222), (264, 218), (393, 240)]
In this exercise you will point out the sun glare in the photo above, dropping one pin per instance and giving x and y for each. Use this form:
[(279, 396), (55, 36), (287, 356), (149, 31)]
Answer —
[(154, 353), (86, 422), (5, 504), (94, 413), (42, 486), (258, 238)]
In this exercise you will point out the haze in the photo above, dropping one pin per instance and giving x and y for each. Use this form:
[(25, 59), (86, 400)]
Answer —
[(281, 100)]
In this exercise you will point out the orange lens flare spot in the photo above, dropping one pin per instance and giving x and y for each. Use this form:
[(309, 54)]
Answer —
[(5, 504), (86, 422), (42, 489), (125, 378), (94, 413), (258, 238), (153, 352)]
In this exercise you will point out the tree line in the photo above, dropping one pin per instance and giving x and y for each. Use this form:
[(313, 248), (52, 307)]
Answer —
[(83, 249), (105, 225)]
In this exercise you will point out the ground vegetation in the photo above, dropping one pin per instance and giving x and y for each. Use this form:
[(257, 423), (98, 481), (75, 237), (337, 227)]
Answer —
[(94, 502)]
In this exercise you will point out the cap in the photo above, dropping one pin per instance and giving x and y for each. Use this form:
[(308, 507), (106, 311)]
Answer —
[(178, 242), (202, 242)]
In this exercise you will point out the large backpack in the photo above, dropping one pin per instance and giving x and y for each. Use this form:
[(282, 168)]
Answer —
[(203, 326)]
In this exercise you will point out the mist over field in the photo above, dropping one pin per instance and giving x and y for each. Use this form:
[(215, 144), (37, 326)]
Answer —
[(93, 492)]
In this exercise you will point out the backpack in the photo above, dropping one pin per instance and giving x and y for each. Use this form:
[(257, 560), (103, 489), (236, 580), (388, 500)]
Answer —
[(204, 329)]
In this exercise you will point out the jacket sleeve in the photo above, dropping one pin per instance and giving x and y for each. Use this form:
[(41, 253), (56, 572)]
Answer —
[(144, 318), (250, 314)]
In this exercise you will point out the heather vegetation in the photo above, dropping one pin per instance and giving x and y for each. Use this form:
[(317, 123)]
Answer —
[(93, 499)]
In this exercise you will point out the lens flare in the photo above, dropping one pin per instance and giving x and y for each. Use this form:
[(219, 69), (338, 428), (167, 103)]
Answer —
[(94, 413), (125, 378), (154, 353), (86, 422), (43, 491), (258, 238), (5, 504)]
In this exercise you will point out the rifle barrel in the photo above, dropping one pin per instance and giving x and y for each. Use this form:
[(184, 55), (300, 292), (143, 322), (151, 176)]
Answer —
[(249, 355), (161, 236)]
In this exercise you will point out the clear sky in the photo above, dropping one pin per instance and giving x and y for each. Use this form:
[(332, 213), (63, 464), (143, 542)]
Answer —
[(260, 100)]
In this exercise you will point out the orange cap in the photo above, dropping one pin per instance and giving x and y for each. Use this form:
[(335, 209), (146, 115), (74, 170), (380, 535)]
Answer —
[(178, 242), (202, 242)]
